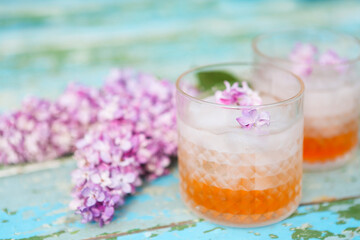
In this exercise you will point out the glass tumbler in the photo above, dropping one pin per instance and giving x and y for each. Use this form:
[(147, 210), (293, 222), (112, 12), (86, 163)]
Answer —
[(328, 63), (236, 176)]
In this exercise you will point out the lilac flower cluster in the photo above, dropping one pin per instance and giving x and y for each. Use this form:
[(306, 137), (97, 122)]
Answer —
[(154, 99), (76, 110), (25, 134), (135, 137), (244, 96), (121, 133), (110, 159), (305, 56), (43, 130)]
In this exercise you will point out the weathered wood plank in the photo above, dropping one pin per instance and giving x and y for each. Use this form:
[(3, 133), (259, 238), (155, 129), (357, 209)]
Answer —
[(35, 204), (336, 220)]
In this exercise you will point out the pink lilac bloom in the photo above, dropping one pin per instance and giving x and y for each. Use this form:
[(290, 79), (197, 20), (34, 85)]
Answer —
[(244, 96), (235, 95), (250, 98), (75, 111), (251, 118), (304, 56), (43, 130), (109, 168), (303, 52), (302, 69), (231, 94), (123, 132), (25, 134), (155, 100), (59, 125), (135, 137), (330, 57)]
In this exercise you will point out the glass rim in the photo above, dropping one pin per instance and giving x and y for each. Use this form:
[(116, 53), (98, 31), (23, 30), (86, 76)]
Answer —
[(292, 99), (257, 39)]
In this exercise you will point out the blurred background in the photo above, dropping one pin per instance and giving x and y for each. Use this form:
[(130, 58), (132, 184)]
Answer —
[(45, 44)]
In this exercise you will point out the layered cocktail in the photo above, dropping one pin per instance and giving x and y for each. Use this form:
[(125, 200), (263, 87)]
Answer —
[(328, 63), (240, 143)]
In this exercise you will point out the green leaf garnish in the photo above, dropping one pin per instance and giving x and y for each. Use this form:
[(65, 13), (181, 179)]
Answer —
[(209, 80)]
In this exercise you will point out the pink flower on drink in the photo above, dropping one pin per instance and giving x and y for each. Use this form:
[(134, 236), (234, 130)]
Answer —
[(235, 95), (304, 56), (250, 98), (252, 118), (244, 96), (330, 57), (302, 69), (304, 52), (230, 95)]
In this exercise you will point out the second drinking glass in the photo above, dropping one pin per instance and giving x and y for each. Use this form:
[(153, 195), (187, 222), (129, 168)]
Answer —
[(328, 63)]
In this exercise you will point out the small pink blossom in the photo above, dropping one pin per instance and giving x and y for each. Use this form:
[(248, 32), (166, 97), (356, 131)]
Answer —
[(235, 95), (251, 118), (330, 57), (304, 56), (102, 178), (92, 196), (230, 95), (302, 69), (250, 98), (244, 96), (304, 53)]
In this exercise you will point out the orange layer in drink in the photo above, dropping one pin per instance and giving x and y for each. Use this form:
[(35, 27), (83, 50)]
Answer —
[(321, 149), (239, 206), (259, 198)]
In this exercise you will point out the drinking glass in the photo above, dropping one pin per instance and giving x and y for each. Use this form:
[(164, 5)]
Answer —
[(331, 78), (236, 176)]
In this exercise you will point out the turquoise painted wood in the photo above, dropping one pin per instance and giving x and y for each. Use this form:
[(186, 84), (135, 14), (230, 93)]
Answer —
[(34, 202), (44, 45)]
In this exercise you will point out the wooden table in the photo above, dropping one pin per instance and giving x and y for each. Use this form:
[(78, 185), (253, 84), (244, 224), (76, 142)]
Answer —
[(45, 45)]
